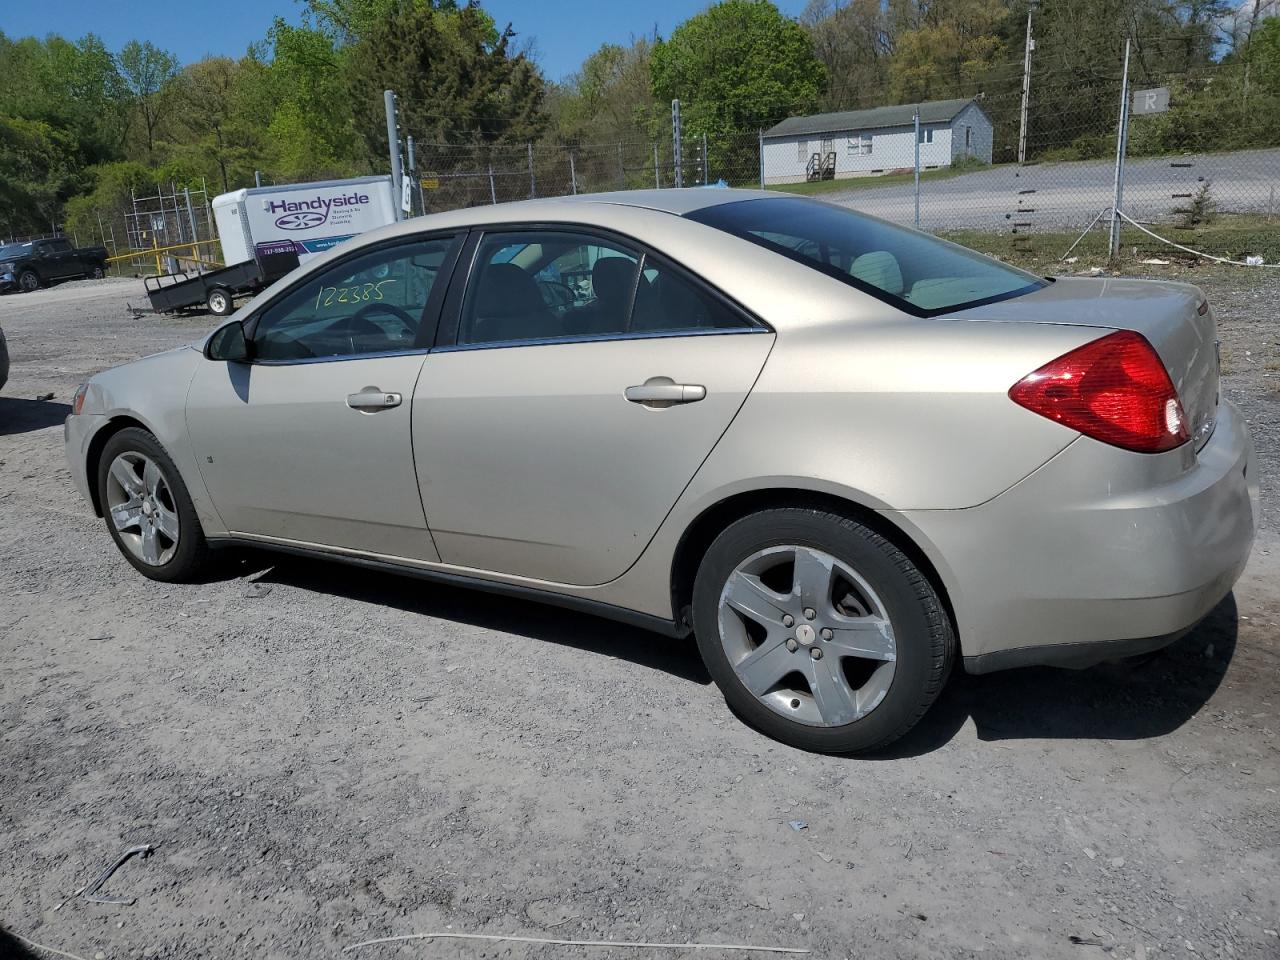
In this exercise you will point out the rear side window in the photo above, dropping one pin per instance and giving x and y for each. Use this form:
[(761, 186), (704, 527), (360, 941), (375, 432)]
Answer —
[(913, 271), (553, 285)]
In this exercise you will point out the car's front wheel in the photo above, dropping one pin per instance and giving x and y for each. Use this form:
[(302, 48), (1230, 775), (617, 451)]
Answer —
[(29, 280), (147, 508), (819, 631)]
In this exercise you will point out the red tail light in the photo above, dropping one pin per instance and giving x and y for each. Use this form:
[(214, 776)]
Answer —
[(1114, 389)]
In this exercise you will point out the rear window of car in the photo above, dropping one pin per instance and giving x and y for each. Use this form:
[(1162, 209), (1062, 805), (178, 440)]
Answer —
[(913, 271)]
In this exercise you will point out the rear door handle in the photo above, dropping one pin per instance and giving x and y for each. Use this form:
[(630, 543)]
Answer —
[(371, 399), (661, 392)]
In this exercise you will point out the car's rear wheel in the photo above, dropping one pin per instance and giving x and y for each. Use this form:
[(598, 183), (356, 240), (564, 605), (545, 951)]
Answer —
[(97, 273), (29, 280), (147, 508), (819, 631), (219, 302)]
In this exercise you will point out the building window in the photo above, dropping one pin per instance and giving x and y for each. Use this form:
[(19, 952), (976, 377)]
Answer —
[(865, 144), (802, 150), (926, 136)]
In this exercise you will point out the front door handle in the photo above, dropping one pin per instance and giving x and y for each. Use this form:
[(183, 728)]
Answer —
[(664, 392), (371, 399)]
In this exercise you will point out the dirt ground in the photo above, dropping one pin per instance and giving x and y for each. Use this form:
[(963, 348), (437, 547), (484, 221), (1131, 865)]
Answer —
[(336, 755)]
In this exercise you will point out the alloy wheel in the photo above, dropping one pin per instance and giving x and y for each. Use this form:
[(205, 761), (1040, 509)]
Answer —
[(142, 508), (807, 636)]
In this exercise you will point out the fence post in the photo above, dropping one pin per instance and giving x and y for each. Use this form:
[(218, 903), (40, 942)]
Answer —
[(1026, 92), (1122, 136), (676, 134), (412, 173), (191, 217), (760, 134), (573, 175), (917, 165), (393, 149), (622, 169), (706, 166), (533, 184), (657, 183), (493, 190)]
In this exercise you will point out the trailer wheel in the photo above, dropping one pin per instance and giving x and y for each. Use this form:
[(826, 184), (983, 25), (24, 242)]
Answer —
[(219, 302)]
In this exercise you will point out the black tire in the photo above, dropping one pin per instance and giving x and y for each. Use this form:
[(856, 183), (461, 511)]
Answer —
[(97, 273), (220, 302), (191, 557), (28, 281), (922, 628)]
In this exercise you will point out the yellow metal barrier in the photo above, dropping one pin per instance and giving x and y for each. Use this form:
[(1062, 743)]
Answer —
[(156, 251)]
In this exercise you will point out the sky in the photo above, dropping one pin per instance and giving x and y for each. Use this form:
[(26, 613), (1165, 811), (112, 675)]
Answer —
[(565, 32)]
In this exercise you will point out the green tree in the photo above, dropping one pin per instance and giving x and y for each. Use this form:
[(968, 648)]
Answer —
[(149, 74), (456, 77), (737, 66), (954, 44), (853, 42), (609, 98)]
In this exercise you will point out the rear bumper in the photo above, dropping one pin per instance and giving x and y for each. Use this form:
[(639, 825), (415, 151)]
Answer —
[(1098, 554)]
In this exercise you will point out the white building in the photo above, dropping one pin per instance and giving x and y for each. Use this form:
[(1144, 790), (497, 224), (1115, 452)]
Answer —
[(855, 143)]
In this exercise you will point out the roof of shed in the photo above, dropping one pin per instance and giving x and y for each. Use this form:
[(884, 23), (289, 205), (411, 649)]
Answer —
[(903, 115)]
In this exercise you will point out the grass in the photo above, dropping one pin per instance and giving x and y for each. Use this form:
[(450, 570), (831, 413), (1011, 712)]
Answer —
[(1233, 236), (819, 187)]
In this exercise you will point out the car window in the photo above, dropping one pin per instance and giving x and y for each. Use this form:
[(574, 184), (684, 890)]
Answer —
[(912, 270), (545, 285), (667, 299), (371, 303), (58, 246)]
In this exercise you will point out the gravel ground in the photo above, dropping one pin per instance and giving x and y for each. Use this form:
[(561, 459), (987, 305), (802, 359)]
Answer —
[(335, 755)]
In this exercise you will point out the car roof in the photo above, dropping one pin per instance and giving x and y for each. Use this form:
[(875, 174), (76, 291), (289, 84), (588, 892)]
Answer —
[(672, 200)]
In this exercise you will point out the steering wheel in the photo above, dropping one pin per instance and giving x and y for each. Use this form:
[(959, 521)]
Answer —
[(360, 322), (567, 298)]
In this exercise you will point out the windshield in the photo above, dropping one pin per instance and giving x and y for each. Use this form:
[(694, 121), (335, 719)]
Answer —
[(14, 250), (918, 273)]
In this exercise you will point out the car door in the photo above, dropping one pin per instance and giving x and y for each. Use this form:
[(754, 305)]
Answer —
[(57, 260), (580, 387), (309, 442)]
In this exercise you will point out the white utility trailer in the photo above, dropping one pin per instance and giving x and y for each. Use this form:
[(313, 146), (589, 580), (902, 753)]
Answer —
[(301, 218)]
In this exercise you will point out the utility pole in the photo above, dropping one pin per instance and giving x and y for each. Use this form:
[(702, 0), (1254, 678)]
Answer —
[(393, 148), (1026, 90), (1122, 138), (675, 141)]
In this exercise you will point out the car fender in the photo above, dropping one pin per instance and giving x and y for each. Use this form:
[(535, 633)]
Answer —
[(153, 392)]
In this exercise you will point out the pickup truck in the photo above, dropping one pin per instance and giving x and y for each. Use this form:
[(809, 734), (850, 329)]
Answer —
[(36, 263)]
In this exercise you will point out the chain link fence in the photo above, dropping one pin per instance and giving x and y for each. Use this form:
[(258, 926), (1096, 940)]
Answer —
[(1203, 173)]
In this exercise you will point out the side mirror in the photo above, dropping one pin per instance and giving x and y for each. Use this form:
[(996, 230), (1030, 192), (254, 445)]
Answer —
[(228, 344)]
